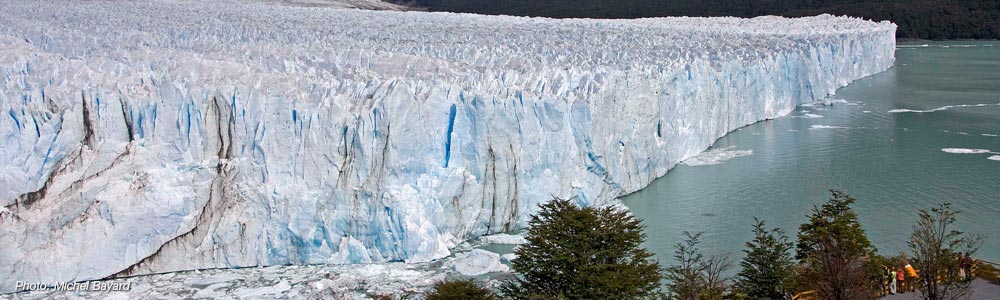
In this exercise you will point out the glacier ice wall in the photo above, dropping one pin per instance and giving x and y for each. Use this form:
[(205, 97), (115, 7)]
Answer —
[(145, 137)]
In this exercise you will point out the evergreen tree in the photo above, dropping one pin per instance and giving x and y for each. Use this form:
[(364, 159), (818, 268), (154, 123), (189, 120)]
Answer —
[(583, 253), (767, 269), (936, 248), (459, 290), (834, 248)]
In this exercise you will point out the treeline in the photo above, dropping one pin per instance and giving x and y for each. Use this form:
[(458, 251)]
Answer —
[(919, 19), (584, 253)]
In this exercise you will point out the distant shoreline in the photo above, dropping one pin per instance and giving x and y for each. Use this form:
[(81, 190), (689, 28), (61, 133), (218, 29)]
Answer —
[(914, 40), (936, 20)]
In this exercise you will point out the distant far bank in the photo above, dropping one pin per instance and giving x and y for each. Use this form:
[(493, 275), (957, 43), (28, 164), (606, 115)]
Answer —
[(917, 19), (915, 41)]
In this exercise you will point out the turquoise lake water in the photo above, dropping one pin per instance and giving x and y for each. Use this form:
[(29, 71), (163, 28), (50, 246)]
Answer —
[(884, 146)]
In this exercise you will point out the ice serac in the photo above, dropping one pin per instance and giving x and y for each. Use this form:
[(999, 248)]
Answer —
[(155, 136)]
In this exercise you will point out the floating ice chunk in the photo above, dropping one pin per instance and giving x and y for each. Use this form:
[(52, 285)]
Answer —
[(825, 102), (945, 46), (210, 280), (808, 116), (213, 291), (381, 278), (826, 127), (966, 151), (306, 282), (379, 270), (257, 292), (478, 262), (505, 239), (902, 110), (321, 284), (117, 295), (716, 156)]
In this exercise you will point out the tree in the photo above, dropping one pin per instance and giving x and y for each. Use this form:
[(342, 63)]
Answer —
[(695, 276), (936, 248), (767, 269), (834, 248), (459, 290), (715, 266), (583, 253)]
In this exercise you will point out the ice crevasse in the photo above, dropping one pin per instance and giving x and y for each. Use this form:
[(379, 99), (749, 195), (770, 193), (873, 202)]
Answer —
[(144, 137)]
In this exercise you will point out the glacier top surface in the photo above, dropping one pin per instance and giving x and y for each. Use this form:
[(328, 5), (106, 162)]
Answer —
[(359, 4), (278, 45)]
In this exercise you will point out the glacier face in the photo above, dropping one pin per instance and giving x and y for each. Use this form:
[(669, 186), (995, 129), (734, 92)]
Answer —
[(144, 137)]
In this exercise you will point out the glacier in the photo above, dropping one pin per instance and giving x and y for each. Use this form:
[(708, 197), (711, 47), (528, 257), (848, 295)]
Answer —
[(152, 136)]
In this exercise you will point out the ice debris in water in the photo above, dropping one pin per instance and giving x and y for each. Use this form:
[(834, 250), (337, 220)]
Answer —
[(825, 102), (808, 116), (965, 151), (504, 239), (716, 156), (973, 151), (946, 107), (478, 262), (276, 282), (827, 127)]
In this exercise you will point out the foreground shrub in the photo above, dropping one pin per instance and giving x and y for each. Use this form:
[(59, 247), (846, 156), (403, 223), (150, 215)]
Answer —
[(460, 290), (583, 253)]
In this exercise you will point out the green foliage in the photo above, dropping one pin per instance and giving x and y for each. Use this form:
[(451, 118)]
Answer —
[(834, 220), (685, 276), (767, 269), (583, 253), (879, 268), (935, 248), (924, 19), (459, 290), (834, 249), (695, 276)]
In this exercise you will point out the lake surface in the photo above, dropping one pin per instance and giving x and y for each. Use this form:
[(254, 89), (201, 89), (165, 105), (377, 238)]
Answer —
[(877, 147)]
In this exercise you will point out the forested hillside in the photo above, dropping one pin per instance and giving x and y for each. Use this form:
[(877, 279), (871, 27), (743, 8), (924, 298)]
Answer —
[(923, 19)]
